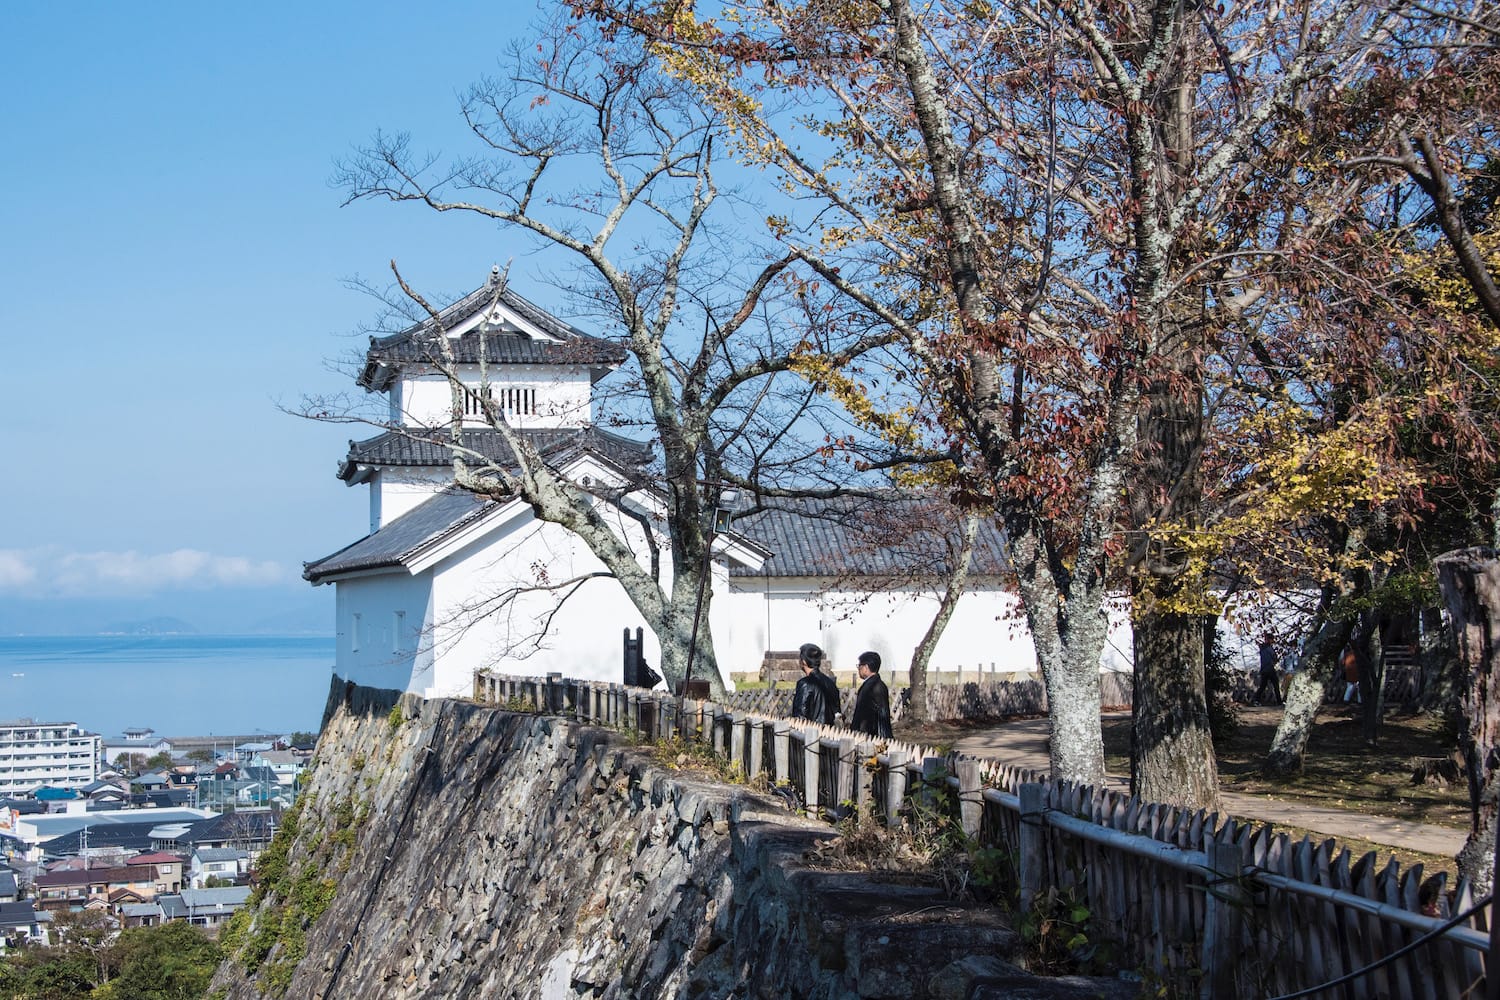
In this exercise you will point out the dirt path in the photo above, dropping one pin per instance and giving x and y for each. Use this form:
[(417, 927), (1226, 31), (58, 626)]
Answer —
[(1024, 742)]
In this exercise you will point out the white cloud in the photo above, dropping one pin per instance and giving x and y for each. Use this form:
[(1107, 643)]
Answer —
[(15, 569), (52, 573)]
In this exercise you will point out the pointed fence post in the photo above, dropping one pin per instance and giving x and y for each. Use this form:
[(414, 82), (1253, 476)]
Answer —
[(1033, 842), (811, 760), (970, 802), (1221, 918), (895, 785), (934, 773), (757, 750), (864, 779), (781, 749), (844, 783)]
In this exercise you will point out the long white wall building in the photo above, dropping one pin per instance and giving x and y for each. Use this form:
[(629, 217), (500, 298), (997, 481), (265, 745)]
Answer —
[(446, 584)]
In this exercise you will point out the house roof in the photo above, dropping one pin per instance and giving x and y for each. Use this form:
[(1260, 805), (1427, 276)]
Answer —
[(860, 537), (428, 522), (207, 854), (8, 885), (427, 448), (806, 538), (244, 825), (91, 876), (141, 910), (207, 899), (22, 914), (568, 345), (154, 858), (280, 757)]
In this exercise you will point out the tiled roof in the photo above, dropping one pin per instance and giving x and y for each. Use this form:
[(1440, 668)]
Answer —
[(22, 914), (154, 858), (852, 537), (413, 345), (428, 522), (126, 836), (427, 447), (202, 899), (206, 854), (807, 538)]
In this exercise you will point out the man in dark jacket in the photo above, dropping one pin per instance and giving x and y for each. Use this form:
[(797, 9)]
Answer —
[(817, 694), (872, 705)]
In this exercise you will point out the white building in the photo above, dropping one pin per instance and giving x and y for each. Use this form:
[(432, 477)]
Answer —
[(447, 583), (135, 742), (56, 754)]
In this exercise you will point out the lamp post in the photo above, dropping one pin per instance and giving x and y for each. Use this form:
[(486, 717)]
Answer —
[(716, 519)]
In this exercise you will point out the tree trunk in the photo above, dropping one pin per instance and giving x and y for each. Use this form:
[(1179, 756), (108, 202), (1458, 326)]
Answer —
[(1470, 583), (916, 707), (1442, 674), (1175, 760), (1069, 635), (1304, 699), (1372, 674), (1173, 749)]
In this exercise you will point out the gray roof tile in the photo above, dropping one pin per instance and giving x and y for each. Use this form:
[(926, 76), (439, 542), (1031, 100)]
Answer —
[(427, 447), (807, 538), (413, 345), (857, 537), (428, 522)]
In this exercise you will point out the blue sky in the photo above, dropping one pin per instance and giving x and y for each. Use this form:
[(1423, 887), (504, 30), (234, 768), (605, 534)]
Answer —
[(172, 266)]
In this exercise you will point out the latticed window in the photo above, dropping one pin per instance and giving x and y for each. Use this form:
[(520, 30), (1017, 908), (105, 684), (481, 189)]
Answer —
[(510, 399)]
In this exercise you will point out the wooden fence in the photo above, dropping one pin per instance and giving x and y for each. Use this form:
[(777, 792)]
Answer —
[(1233, 909), (997, 699), (970, 700)]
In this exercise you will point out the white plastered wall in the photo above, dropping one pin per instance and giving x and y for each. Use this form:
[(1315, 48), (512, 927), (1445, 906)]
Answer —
[(562, 395), (987, 630), (381, 641), (532, 563), (394, 492)]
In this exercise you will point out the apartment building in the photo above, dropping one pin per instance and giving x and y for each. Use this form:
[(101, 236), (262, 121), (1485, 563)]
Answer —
[(58, 754)]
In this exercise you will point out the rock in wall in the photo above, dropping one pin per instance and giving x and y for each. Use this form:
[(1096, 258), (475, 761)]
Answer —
[(447, 849)]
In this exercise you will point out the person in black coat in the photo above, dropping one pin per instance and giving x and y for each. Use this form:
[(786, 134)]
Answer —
[(1270, 677), (817, 695), (872, 705)]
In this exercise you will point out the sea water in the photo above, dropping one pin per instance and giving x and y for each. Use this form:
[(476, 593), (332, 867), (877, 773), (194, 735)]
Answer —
[(178, 685)]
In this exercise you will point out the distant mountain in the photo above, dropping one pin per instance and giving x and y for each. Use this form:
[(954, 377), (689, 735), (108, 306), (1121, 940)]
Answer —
[(160, 625), (298, 610), (317, 620)]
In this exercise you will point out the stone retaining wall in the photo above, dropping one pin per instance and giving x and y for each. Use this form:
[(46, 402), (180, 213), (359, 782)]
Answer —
[(472, 852)]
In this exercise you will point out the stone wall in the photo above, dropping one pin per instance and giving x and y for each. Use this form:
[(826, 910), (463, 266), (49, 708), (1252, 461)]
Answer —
[(447, 849)]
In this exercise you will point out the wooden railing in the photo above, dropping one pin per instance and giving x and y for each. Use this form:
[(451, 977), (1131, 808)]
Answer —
[(1235, 908)]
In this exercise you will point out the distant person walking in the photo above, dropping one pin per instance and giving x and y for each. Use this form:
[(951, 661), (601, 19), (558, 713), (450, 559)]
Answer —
[(1350, 663), (817, 695), (1269, 676), (872, 705)]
